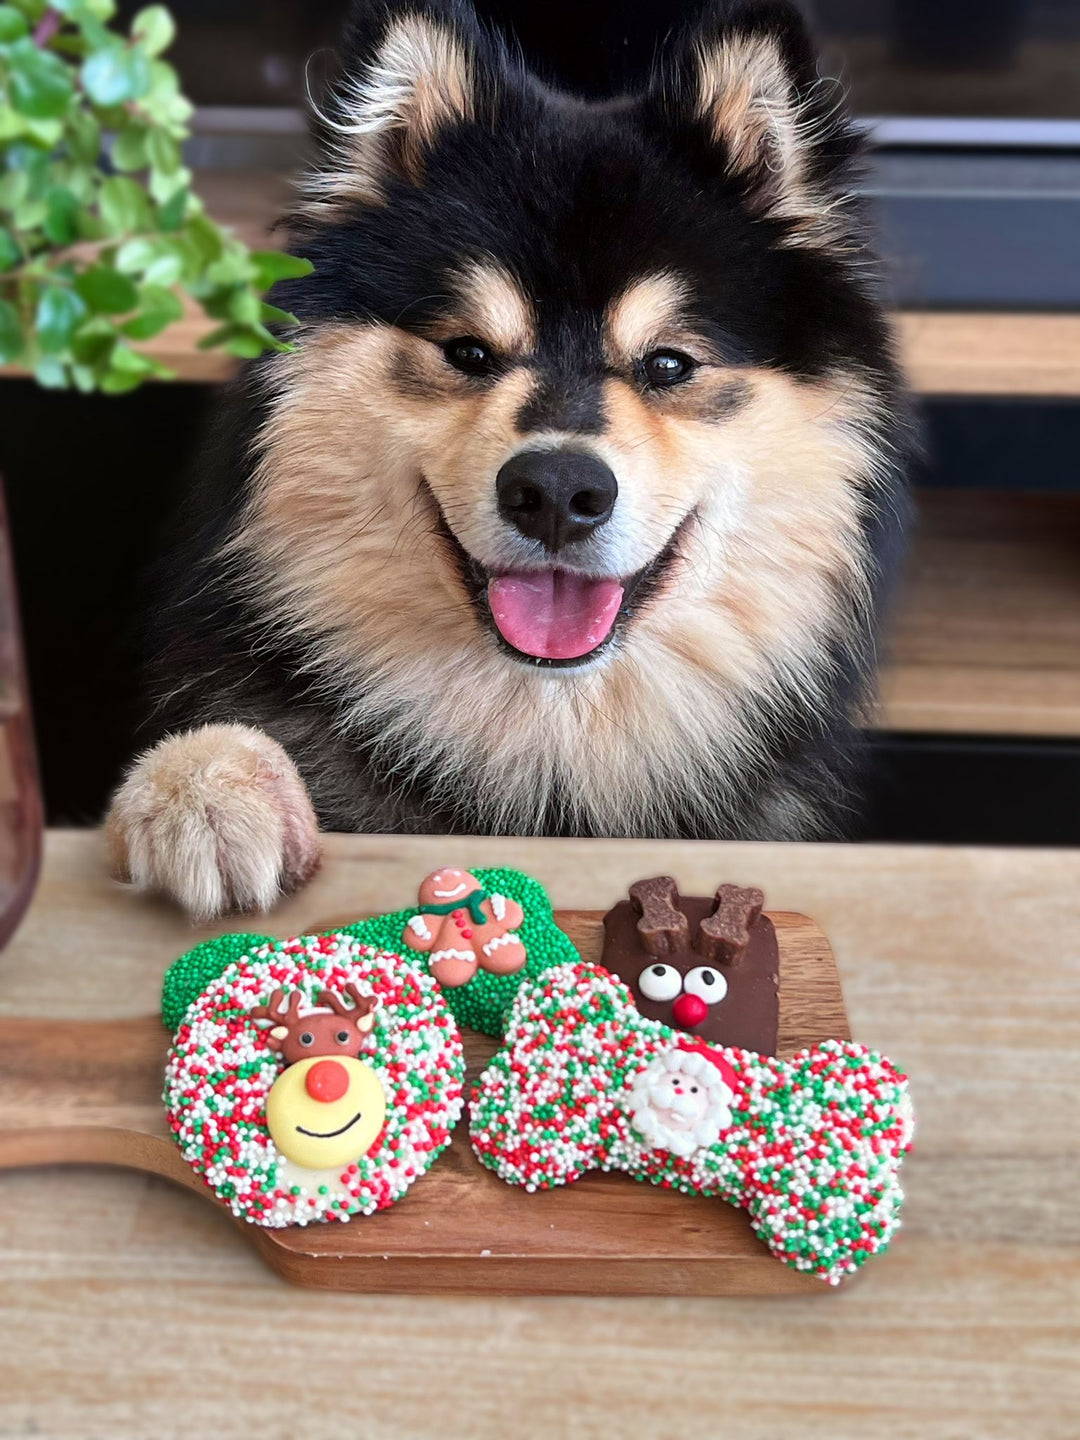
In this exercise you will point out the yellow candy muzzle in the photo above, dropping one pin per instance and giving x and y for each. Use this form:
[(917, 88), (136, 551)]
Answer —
[(325, 1112)]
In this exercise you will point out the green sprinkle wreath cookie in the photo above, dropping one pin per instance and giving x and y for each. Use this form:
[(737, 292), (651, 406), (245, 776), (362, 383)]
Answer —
[(314, 1079), (481, 933)]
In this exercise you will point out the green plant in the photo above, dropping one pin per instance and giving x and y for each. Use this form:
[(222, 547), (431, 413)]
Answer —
[(99, 227)]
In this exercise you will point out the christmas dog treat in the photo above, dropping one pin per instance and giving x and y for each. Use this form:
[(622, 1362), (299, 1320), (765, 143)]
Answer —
[(460, 927), (516, 924), (810, 1147), (314, 1079), (510, 918), (709, 966)]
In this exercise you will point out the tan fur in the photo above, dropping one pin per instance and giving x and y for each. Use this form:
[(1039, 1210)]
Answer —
[(747, 98), (217, 818), (420, 80), (347, 557), (648, 313), (492, 307)]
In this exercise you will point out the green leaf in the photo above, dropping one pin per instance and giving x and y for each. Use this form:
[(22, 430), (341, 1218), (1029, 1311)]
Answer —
[(11, 340), (39, 82), (14, 187), (58, 313), (158, 309), (107, 291), (51, 374), (30, 214), (274, 265), (244, 306), (116, 75), (12, 24), (10, 253), (155, 28), (61, 219), (271, 315), (167, 268), (124, 206), (83, 137), (206, 237), (79, 9), (129, 151), (164, 186), (10, 123), (163, 152), (171, 215), (134, 255)]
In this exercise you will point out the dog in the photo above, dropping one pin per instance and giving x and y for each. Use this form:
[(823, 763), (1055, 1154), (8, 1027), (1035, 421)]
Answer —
[(573, 508)]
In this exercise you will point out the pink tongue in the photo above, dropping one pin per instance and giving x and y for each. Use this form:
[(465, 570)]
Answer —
[(552, 614)]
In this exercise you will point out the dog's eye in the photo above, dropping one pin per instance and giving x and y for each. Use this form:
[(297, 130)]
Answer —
[(666, 367), (469, 355), (708, 985)]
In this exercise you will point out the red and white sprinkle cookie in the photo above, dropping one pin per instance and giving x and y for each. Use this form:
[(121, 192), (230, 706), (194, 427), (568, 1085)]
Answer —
[(360, 1051), (810, 1147)]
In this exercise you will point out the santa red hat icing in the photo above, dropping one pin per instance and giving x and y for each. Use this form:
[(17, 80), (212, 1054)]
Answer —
[(714, 1058)]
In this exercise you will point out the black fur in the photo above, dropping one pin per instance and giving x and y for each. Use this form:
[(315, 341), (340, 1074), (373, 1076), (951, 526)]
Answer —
[(577, 201)]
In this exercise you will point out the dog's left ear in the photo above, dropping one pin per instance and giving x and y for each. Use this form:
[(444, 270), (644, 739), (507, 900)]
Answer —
[(409, 72), (742, 89)]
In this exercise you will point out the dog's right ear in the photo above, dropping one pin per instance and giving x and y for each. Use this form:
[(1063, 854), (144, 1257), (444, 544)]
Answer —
[(409, 70)]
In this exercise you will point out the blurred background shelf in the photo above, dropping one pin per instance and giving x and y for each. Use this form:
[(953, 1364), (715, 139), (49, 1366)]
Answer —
[(986, 635)]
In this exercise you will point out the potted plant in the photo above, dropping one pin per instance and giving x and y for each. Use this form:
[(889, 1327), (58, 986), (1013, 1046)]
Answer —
[(103, 244)]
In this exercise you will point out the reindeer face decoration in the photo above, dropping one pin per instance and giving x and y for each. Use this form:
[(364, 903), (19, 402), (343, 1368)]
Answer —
[(327, 1107), (705, 965)]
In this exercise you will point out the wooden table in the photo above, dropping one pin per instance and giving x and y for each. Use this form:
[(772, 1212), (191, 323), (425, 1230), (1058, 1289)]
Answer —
[(131, 1309)]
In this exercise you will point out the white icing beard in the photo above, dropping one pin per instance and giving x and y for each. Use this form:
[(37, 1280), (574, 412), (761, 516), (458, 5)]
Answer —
[(679, 1122)]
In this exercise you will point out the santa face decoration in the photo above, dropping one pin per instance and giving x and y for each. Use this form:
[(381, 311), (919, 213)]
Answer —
[(708, 966), (682, 1102)]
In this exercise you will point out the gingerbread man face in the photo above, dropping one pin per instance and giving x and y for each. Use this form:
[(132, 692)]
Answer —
[(463, 928)]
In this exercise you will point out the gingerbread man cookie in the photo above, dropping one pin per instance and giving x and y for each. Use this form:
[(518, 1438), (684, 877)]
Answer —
[(462, 928)]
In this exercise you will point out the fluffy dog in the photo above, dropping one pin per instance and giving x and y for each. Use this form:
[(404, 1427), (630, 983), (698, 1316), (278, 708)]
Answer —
[(572, 510)]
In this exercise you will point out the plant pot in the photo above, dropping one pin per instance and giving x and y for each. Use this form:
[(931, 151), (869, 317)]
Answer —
[(20, 792)]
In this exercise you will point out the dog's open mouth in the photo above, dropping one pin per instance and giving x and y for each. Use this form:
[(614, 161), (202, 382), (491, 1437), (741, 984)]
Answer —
[(554, 617)]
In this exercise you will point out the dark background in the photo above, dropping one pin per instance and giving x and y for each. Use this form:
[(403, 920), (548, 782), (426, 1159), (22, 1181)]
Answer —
[(91, 481)]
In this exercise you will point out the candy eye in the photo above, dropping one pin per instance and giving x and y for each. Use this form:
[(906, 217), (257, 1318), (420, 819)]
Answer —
[(666, 367), (708, 985), (342, 1037), (659, 982), (307, 1038), (470, 355)]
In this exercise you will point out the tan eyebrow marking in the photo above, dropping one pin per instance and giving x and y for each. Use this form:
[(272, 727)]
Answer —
[(494, 308), (645, 314)]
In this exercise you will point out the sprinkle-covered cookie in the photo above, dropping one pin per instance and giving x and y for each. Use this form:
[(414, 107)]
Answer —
[(315, 1079), (506, 911), (490, 903), (810, 1147)]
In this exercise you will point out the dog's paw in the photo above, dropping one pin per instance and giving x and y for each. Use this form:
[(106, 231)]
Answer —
[(217, 818)]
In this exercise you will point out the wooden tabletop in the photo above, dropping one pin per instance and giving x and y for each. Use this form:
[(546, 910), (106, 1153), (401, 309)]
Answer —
[(131, 1309)]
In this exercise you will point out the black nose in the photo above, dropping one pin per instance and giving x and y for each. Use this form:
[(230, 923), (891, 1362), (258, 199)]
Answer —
[(556, 496)]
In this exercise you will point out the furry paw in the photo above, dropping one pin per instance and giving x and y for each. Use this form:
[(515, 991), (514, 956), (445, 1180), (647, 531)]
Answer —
[(217, 818)]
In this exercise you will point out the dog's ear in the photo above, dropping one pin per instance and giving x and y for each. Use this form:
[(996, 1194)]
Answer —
[(408, 71), (742, 88)]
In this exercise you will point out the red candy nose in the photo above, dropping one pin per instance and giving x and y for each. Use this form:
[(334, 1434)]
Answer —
[(689, 1010), (327, 1081)]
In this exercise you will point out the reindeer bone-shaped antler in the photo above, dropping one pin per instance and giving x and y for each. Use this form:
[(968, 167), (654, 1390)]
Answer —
[(723, 936), (663, 927)]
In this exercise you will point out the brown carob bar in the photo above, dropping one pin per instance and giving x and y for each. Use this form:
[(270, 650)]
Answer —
[(708, 965)]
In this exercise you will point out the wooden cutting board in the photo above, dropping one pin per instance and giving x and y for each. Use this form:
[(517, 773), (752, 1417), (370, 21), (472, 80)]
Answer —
[(88, 1092)]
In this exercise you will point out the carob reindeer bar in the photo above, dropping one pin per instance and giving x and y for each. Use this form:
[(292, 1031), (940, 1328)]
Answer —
[(810, 1147), (314, 1079), (709, 966)]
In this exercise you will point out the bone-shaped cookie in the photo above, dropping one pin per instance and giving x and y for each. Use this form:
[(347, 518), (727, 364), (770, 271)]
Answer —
[(810, 1147)]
